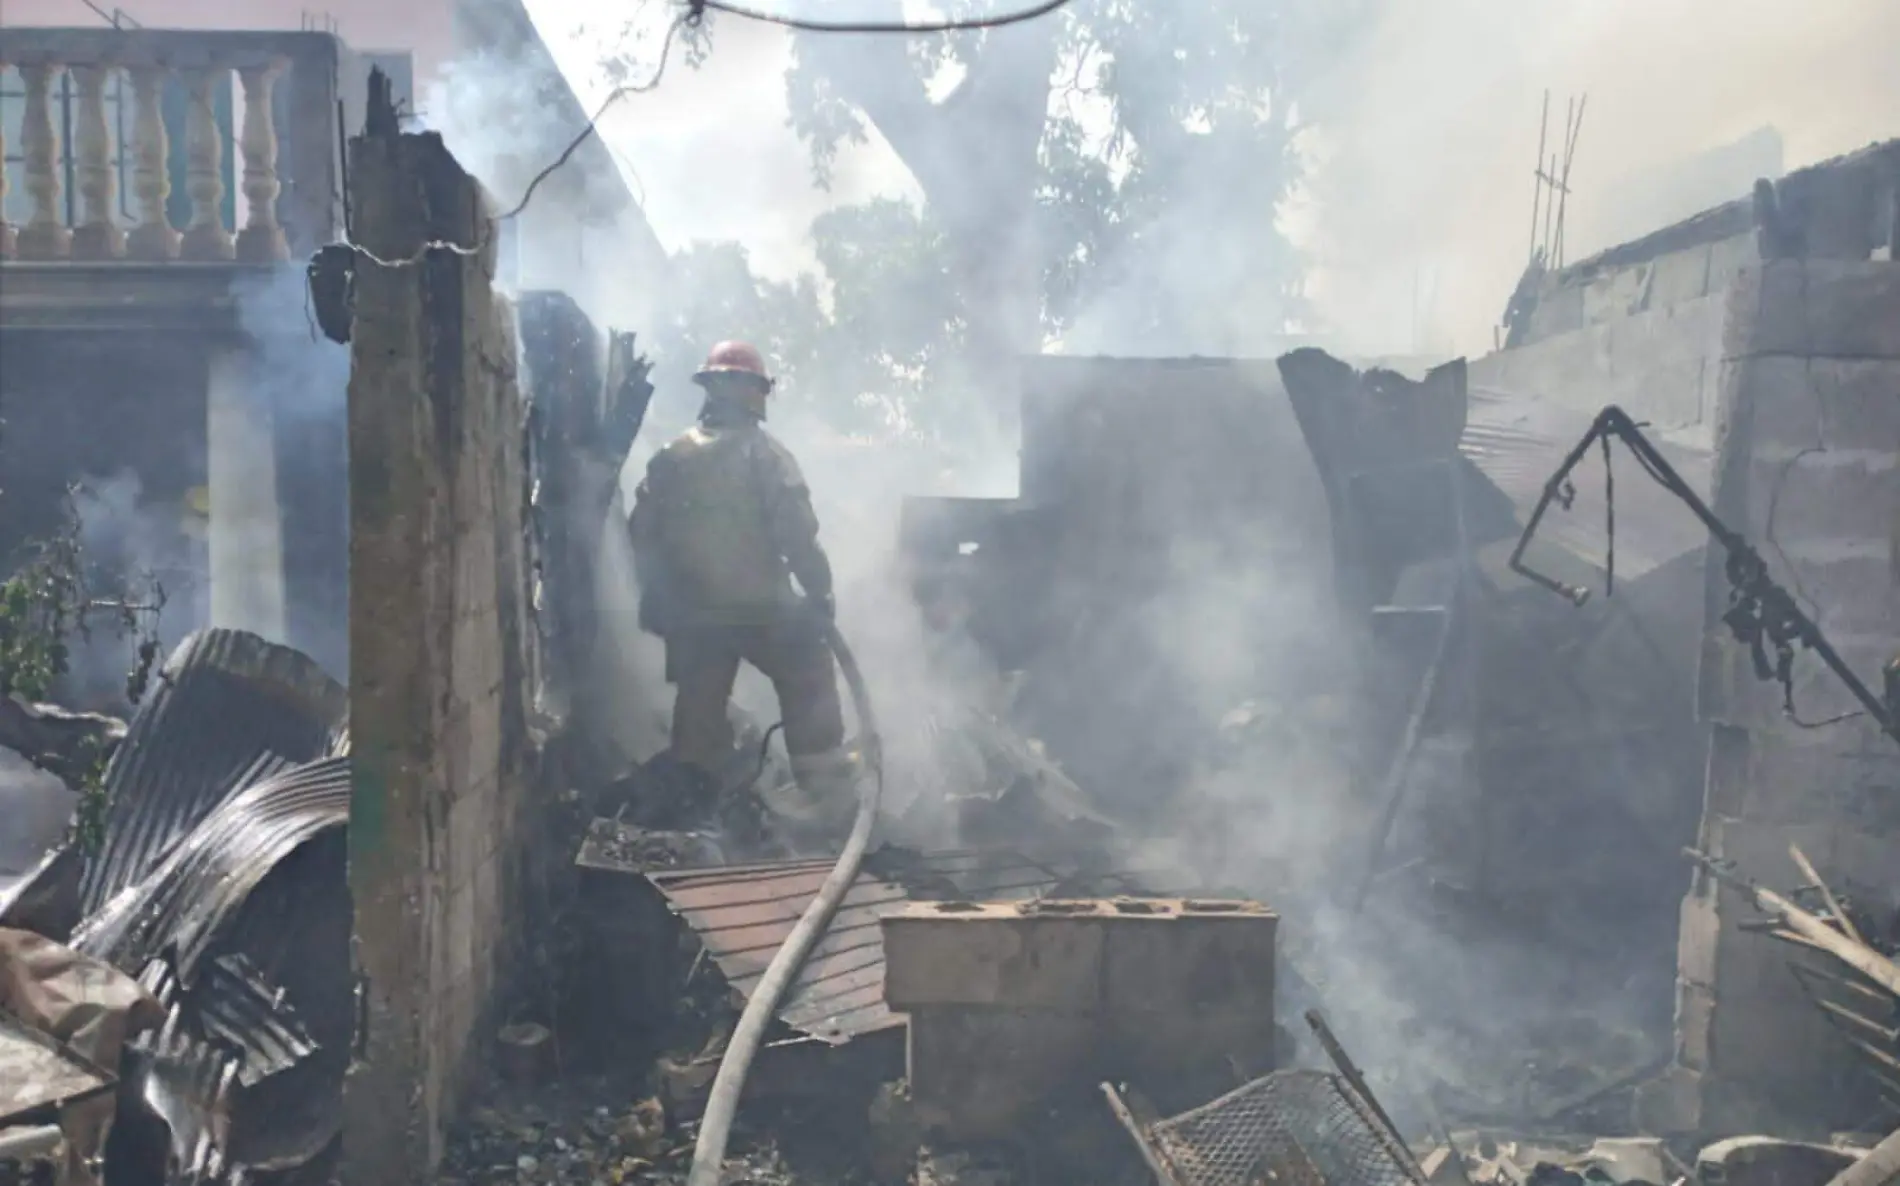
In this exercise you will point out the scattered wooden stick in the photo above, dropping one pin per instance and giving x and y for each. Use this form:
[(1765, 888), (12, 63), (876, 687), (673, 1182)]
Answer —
[(1827, 895)]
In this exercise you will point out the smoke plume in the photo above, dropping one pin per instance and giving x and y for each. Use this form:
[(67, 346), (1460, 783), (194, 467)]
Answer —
[(1426, 136)]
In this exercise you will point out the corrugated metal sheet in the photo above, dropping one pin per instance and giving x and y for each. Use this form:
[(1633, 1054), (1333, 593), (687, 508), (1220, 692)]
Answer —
[(221, 884), (1518, 442), (37, 1073), (743, 913), (183, 904), (242, 932), (228, 710)]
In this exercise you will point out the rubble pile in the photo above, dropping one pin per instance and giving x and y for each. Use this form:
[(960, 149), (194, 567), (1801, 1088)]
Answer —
[(996, 1014)]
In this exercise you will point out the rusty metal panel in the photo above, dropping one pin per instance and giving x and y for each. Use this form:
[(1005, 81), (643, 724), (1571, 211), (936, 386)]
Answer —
[(743, 913), (37, 1073)]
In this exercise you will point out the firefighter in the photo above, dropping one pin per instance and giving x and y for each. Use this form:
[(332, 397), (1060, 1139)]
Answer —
[(722, 525)]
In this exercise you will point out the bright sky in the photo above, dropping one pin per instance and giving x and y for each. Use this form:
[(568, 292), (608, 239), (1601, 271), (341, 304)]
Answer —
[(710, 149)]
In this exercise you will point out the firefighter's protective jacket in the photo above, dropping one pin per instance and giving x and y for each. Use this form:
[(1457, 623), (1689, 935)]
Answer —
[(721, 524)]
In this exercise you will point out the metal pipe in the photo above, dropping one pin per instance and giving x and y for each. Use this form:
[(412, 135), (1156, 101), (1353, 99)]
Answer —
[(1781, 620), (715, 1126)]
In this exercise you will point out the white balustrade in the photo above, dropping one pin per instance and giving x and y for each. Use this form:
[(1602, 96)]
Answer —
[(70, 131)]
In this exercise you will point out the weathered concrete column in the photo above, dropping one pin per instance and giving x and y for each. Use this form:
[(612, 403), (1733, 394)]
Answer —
[(439, 644), (1809, 471), (247, 543)]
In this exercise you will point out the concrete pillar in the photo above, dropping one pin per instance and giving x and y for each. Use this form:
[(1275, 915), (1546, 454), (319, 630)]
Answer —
[(247, 543), (440, 652), (1810, 434)]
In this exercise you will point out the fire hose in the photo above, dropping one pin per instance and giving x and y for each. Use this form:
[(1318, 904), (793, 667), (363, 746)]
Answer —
[(715, 1126)]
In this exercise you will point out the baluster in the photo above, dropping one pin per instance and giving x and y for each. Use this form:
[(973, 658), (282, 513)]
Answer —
[(45, 235), (207, 238), (6, 228), (262, 239), (95, 172), (153, 238)]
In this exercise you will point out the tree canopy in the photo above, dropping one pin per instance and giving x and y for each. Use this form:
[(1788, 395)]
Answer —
[(1110, 174)]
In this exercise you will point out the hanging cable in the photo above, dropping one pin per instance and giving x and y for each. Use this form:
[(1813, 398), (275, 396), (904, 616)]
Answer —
[(697, 9), (1761, 615)]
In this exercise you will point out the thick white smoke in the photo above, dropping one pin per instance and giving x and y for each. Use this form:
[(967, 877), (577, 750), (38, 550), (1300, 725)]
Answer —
[(1420, 216)]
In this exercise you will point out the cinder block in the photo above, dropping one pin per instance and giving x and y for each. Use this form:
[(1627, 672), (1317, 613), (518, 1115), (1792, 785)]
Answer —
[(1215, 955), (1867, 862), (1725, 775), (1617, 295), (1760, 851), (1848, 586), (461, 939), (1794, 778), (1803, 499), (1007, 999), (1191, 985), (1695, 1020), (1774, 396), (1671, 1103), (1678, 277), (996, 954), (1815, 307), (976, 1073), (1728, 692), (1798, 402), (1858, 398), (1558, 312), (1698, 942), (1728, 258)]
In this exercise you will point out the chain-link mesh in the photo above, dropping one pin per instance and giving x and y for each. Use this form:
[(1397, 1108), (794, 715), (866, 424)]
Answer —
[(1292, 1128)]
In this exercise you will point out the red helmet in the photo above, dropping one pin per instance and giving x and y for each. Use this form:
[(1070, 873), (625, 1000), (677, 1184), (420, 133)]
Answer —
[(734, 358)]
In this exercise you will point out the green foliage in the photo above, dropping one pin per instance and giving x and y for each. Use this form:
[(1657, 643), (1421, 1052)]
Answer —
[(88, 827), (39, 609), (47, 602)]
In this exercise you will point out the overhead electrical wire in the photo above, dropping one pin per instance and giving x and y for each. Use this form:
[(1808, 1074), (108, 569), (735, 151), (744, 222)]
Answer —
[(693, 15), (697, 8)]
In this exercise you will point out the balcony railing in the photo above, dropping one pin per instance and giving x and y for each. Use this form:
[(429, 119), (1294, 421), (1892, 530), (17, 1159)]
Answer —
[(136, 145)]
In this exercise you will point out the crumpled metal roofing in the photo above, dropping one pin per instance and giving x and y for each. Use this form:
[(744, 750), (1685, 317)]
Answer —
[(228, 709), (742, 914), (222, 884), (1518, 441), (243, 934), (181, 906)]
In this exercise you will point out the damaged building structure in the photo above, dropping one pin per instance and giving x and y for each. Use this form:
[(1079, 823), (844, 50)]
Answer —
[(1756, 345), (1600, 733)]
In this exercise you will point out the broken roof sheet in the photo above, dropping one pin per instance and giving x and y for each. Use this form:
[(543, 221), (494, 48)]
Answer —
[(743, 913), (1519, 441), (37, 1073), (227, 711)]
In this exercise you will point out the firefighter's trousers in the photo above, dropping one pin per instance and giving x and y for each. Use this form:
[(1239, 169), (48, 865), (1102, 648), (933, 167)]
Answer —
[(703, 661)]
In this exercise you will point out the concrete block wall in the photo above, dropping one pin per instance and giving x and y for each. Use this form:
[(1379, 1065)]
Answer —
[(1657, 284), (440, 647), (1808, 469), (1658, 361)]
